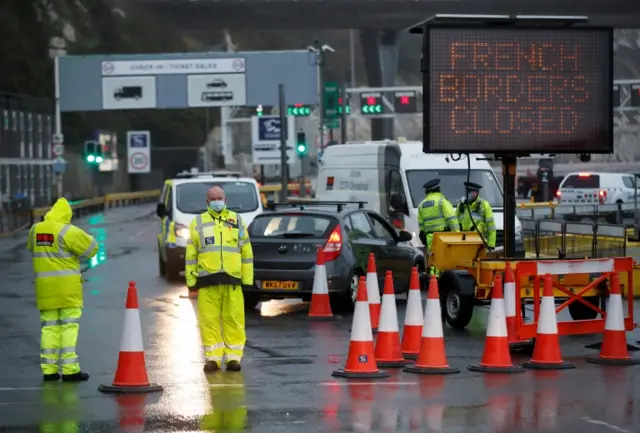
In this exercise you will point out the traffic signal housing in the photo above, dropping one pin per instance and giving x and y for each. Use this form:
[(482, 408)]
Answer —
[(93, 152), (301, 144)]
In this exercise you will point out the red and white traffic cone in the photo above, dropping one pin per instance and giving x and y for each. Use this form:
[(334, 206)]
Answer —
[(496, 357), (320, 308), (131, 374), (614, 350), (373, 292), (432, 358), (546, 351), (361, 360), (413, 319), (388, 353)]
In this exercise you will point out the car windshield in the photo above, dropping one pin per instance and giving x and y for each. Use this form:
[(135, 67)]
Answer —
[(241, 196), (290, 225), (452, 185)]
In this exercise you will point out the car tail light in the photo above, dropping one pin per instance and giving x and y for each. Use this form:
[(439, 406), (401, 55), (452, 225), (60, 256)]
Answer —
[(584, 175), (602, 195), (334, 245), (559, 195)]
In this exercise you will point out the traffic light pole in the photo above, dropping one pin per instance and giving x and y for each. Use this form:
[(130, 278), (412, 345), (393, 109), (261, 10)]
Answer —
[(58, 117), (320, 64), (284, 175)]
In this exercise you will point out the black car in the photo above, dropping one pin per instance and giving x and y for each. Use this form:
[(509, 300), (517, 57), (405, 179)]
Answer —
[(285, 242)]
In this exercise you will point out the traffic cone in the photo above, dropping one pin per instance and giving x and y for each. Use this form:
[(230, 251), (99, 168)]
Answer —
[(432, 358), (388, 353), (496, 357), (373, 292), (361, 361), (510, 305), (413, 319), (614, 350), (131, 374), (546, 351), (320, 306)]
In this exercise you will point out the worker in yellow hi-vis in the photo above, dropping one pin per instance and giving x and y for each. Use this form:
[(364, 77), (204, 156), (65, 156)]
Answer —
[(56, 247), (218, 261)]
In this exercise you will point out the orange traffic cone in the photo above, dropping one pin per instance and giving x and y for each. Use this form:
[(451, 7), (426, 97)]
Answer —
[(496, 357), (373, 292), (320, 306), (510, 304), (432, 358), (413, 319), (131, 374), (546, 351), (614, 350), (361, 360), (388, 353)]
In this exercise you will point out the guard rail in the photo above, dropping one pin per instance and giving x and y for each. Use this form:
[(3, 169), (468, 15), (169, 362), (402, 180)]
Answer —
[(552, 210)]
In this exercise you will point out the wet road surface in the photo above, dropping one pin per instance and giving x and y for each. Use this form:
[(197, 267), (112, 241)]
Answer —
[(286, 384)]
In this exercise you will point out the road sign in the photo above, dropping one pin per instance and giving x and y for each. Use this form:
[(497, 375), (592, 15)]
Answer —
[(57, 149), (372, 109), (217, 90), (265, 139), (138, 152), (330, 98), (57, 139), (167, 81), (59, 165)]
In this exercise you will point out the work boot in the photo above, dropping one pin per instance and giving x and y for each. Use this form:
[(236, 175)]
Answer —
[(211, 366), (80, 376), (51, 377), (233, 366)]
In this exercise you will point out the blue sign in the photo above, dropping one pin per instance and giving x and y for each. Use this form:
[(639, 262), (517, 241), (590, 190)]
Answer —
[(269, 128), (59, 165), (139, 140)]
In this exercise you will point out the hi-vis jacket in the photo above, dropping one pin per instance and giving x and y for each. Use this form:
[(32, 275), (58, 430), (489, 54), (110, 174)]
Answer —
[(436, 214), (482, 217), (56, 246), (218, 251)]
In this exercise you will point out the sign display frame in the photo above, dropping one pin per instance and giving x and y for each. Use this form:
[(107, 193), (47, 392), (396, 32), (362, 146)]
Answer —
[(265, 139), (585, 126), (138, 152)]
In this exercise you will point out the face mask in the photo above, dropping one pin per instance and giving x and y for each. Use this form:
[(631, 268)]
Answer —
[(217, 205)]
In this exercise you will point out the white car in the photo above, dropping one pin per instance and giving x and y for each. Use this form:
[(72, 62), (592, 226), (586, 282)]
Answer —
[(593, 188)]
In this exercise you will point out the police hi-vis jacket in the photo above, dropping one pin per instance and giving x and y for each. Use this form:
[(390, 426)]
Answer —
[(218, 251), (56, 247)]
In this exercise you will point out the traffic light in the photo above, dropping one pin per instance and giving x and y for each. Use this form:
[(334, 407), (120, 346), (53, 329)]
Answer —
[(93, 152), (301, 144), (259, 110), (299, 110)]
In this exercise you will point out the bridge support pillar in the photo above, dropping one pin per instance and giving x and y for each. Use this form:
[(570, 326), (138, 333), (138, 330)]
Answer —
[(380, 50)]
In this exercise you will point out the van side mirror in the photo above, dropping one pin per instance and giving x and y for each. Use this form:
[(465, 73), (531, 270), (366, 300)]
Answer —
[(397, 202), (404, 236), (161, 210)]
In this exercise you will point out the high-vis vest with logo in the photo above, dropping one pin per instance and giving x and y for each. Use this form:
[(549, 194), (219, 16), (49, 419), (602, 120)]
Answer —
[(482, 217), (219, 243), (436, 214), (56, 247)]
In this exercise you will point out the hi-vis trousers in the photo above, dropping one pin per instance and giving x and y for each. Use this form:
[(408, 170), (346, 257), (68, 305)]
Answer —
[(58, 340), (221, 322)]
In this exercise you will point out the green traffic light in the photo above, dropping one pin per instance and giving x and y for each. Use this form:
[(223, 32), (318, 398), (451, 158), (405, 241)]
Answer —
[(302, 148), (99, 159), (91, 158)]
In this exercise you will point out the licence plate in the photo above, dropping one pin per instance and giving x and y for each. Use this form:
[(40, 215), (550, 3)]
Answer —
[(281, 285)]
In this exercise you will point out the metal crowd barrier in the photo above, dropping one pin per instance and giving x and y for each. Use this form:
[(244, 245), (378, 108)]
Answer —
[(615, 213), (553, 238)]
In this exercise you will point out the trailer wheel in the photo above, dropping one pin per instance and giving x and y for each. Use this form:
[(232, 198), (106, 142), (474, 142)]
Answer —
[(578, 311), (457, 297)]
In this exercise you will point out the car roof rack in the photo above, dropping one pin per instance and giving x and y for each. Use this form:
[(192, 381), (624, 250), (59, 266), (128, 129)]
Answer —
[(221, 173), (301, 204)]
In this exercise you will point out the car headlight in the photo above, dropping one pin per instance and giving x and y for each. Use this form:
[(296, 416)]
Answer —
[(182, 231)]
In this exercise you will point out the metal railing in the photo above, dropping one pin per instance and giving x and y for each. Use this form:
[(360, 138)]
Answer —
[(551, 210), (564, 239)]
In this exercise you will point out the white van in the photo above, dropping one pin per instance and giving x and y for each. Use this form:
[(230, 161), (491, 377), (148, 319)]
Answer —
[(593, 188), (372, 171)]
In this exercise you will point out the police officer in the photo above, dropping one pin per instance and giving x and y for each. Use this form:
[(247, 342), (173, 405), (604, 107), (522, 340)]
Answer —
[(435, 214), (481, 212), (56, 247), (219, 260)]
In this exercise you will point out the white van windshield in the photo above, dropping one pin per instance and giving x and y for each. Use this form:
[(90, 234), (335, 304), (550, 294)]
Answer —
[(241, 196), (452, 185)]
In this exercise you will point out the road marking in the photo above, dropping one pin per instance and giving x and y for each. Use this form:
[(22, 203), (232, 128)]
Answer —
[(605, 424), (20, 389), (141, 232)]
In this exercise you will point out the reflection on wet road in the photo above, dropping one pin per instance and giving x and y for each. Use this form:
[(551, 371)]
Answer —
[(286, 384)]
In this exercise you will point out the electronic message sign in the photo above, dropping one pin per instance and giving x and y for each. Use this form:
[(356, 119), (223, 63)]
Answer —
[(518, 90)]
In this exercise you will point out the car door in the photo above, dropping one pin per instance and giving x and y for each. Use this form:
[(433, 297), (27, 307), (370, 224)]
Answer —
[(397, 258), (363, 242)]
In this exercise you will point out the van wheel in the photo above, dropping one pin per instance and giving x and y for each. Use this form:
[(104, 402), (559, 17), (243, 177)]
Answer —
[(457, 298), (346, 302), (578, 311)]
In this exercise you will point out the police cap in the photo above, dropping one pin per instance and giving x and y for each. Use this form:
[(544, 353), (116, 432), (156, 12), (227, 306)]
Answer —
[(431, 185), (472, 186)]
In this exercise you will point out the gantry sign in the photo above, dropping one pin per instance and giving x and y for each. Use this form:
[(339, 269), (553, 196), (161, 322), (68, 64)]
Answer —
[(173, 81)]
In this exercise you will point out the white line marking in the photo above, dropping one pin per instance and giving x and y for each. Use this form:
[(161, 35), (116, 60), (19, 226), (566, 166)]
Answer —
[(20, 389), (366, 383), (141, 232), (605, 424)]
